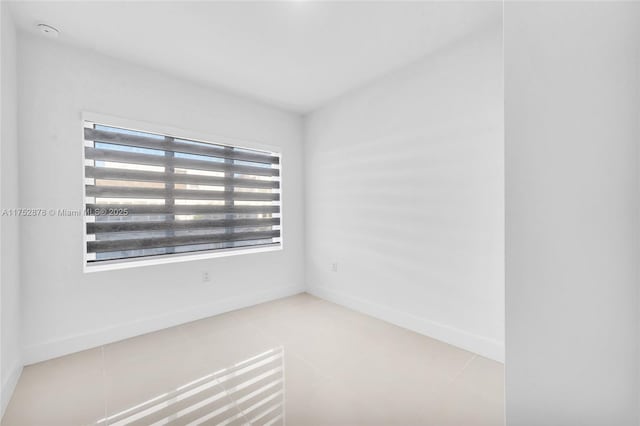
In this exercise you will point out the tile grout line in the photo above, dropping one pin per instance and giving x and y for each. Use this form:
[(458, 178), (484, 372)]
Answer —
[(457, 376), (192, 348), (301, 357), (104, 382)]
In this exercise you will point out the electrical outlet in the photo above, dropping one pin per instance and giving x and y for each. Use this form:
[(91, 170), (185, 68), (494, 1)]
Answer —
[(205, 277), (334, 267)]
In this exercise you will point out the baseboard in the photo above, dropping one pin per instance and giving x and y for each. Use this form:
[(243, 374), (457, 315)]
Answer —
[(79, 342), (36, 353), (483, 346), (8, 386)]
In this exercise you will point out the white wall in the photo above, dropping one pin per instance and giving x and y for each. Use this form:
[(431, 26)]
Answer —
[(65, 310), (404, 190), (10, 353), (572, 134)]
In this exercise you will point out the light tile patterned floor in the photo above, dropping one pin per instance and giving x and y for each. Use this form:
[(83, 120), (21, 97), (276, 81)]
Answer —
[(295, 361)]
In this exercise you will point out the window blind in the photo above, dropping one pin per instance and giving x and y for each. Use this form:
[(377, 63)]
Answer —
[(149, 194)]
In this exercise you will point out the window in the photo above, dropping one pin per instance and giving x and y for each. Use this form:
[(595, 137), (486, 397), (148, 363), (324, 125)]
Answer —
[(149, 194)]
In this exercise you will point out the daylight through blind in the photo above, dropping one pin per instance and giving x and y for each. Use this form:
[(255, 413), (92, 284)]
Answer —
[(149, 194)]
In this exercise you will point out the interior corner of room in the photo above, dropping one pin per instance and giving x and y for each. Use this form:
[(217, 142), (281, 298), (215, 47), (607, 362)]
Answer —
[(391, 186)]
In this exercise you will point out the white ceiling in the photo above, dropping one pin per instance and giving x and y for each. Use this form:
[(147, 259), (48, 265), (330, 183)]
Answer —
[(294, 54)]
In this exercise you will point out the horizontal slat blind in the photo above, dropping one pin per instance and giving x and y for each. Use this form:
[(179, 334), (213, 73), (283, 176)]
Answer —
[(149, 194)]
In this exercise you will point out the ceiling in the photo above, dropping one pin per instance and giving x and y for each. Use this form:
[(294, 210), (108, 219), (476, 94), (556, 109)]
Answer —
[(294, 54)]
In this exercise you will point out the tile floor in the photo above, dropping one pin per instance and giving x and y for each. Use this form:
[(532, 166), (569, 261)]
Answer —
[(295, 361)]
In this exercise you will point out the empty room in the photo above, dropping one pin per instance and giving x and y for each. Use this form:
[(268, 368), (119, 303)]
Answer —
[(252, 213)]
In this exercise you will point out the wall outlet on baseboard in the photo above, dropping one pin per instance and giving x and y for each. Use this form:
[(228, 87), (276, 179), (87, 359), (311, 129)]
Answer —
[(334, 267), (205, 277)]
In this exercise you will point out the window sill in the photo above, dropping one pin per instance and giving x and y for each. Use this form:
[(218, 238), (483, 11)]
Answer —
[(174, 258)]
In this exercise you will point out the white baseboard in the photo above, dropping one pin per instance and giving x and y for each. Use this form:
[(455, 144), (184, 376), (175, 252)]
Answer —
[(79, 342), (9, 385), (477, 344), (480, 345)]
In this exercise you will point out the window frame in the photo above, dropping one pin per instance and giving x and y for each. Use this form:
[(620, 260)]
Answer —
[(143, 126)]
